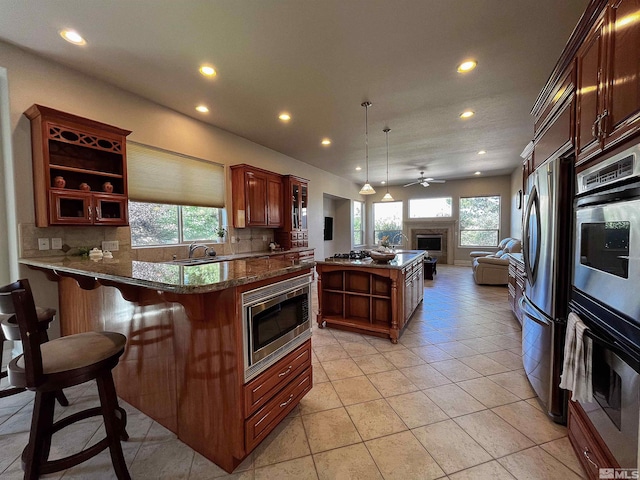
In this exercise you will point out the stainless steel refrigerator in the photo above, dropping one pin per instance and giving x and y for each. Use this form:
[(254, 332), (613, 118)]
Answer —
[(547, 243)]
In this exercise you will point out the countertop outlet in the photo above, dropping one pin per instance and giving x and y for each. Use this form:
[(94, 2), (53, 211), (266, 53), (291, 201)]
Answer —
[(112, 246)]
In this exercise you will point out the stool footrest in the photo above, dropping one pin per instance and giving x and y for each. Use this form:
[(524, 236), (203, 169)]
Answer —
[(72, 460)]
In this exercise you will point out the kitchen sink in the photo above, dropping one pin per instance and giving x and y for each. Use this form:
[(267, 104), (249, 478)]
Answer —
[(196, 261)]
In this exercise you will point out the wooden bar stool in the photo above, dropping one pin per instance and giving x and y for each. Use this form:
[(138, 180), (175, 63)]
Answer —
[(63, 362), (11, 332)]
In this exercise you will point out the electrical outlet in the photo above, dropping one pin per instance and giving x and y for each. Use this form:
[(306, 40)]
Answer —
[(43, 244), (56, 244), (112, 245), (265, 238), (234, 239)]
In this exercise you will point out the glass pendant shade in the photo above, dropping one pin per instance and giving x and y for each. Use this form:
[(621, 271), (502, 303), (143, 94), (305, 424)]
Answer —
[(387, 196), (366, 189)]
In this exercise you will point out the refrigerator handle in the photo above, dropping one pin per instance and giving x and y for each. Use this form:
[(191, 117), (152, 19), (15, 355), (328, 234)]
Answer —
[(529, 310)]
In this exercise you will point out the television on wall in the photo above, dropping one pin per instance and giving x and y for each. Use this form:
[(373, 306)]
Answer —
[(328, 228)]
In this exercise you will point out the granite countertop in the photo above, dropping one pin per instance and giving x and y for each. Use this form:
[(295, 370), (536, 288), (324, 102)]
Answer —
[(403, 258), (169, 277)]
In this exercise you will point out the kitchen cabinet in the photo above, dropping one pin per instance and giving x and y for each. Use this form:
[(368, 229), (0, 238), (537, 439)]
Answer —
[(516, 283), (256, 197), (294, 232), (608, 95), (79, 169)]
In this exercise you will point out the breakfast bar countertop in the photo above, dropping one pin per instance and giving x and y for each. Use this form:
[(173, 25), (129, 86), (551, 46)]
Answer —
[(402, 259), (169, 277)]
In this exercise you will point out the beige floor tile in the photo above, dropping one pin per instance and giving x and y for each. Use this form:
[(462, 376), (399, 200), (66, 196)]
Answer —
[(373, 364), (171, 459), (425, 376), (404, 358), (457, 349), (393, 382), (451, 446), (535, 464), (348, 337), (488, 393), (330, 429), (384, 345), (287, 441), (431, 353), (494, 434), (416, 409), (319, 375), (322, 337), (516, 382), (484, 365), (330, 352), (506, 358), (347, 463), (437, 337), (531, 421), (487, 471), (453, 400), (342, 368), (401, 456), (535, 402), (410, 339), (321, 397), (357, 349), (455, 370), (355, 390), (375, 419), (204, 469), (297, 469), (562, 450)]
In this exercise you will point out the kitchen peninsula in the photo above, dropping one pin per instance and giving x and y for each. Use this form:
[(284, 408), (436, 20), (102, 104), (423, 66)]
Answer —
[(369, 297), (185, 361)]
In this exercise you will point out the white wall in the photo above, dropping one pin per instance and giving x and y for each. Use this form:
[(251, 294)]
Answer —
[(516, 214)]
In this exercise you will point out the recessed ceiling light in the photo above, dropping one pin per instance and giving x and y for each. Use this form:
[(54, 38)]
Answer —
[(285, 117), (325, 141), (202, 109), (467, 114), (208, 71), (383, 182), (482, 152), (72, 36), (358, 168), (478, 173), (467, 66)]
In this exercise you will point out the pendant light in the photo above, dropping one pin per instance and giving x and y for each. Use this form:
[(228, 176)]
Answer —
[(366, 189), (387, 196)]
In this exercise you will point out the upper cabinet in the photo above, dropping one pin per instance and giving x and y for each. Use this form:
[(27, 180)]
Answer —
[(608, 83), (294, 232), (79, 169), (256, 197)]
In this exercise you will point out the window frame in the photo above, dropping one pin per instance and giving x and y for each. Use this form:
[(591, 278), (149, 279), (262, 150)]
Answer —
[(410, 217), (497, 229), (353, 217)]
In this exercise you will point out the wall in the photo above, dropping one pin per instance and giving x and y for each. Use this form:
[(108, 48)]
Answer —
[(478, 186), (516, 213)]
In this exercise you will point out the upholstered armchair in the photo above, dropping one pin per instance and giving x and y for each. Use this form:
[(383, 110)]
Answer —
[(493, 269), (482, 253)]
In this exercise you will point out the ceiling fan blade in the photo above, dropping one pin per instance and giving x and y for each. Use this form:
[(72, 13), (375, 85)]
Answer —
[(431, 180), (412, 183)]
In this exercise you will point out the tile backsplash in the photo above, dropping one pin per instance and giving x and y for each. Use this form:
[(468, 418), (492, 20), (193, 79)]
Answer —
[(246, 240)]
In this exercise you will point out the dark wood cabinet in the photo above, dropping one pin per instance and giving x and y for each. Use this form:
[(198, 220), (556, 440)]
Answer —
[(256, 197), (294, 232), (79, 169), (516, 283), (608, 94)]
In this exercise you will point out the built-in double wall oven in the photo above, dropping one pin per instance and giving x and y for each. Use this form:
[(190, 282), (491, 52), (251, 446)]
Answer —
[(605, 294)]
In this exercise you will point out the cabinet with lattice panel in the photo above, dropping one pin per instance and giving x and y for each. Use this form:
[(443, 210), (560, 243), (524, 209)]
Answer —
[(79, 169)]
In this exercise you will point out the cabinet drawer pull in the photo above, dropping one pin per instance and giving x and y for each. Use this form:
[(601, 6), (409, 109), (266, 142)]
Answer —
[(286, 372), (586, 453), (284, 404), (98, 214), (89, 212)]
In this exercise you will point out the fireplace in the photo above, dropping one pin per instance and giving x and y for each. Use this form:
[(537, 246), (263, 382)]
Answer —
[(430, 243)]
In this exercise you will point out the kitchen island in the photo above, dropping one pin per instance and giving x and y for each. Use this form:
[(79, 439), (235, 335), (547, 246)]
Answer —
[(369, 297), (184, 364)]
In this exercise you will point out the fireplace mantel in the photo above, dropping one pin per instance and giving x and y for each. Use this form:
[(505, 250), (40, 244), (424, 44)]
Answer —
[(444, 228)]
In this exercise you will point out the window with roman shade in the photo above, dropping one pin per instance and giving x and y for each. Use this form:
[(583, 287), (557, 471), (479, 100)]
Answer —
[(160, 176)]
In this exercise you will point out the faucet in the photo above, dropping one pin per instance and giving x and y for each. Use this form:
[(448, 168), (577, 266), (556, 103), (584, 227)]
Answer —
[(195, 246), (401, 235)]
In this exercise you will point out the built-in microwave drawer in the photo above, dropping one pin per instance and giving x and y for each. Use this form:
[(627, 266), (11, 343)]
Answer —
[(264, 420), (259, 390)]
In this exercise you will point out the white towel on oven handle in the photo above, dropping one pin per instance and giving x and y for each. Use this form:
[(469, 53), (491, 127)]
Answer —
[(576, 367)]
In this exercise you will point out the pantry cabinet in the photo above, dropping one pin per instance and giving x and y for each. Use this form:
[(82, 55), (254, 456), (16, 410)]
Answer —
[(256, 197), (294, 232), (79, 169)]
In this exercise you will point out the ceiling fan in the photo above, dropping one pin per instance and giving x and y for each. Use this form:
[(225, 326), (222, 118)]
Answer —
[(424, 181)]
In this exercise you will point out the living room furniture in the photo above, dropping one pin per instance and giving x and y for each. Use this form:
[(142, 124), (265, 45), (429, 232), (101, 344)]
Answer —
[(49, 367), (493, 269), (430, 264), (483, 253)]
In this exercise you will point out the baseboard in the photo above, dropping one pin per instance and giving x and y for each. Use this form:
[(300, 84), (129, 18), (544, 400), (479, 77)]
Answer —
[(463, 263)]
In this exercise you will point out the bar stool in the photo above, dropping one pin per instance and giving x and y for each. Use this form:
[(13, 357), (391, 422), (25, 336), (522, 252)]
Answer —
[(60, 363), (45, 317)]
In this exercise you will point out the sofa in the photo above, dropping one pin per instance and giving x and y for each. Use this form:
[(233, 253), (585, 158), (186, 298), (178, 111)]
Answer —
[(483, 253), (493, 268)]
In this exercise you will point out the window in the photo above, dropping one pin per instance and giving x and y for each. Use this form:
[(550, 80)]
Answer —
[(479, 221), (358, 234), (158, 224), (387, 221), (429, 207)]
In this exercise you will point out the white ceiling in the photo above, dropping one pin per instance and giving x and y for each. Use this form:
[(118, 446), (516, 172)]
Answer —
[(319, 60)]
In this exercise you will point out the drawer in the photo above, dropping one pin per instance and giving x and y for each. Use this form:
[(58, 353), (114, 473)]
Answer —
[(259, 390), (264, 420), (295, 243), (305, 235), (294, 235), (291, 256), (300, 236)]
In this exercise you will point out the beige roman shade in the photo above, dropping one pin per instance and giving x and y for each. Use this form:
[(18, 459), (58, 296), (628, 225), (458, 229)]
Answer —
[(160, 176)]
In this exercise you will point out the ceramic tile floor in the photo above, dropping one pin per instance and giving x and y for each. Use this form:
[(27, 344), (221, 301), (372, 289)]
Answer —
[(449, 401)]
